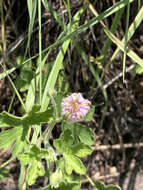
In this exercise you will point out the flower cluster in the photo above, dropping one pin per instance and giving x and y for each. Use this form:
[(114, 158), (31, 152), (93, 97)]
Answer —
[(75, 107)]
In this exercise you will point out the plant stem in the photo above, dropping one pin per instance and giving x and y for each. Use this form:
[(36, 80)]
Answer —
[(14, 88), (40, 48)]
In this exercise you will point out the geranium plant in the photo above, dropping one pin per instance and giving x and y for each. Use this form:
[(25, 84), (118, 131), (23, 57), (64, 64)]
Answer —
[(63, 155)]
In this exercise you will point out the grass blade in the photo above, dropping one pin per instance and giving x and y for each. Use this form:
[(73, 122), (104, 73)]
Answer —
[(120, 44), (32, 8), (133, 27), (77, 31), (113, 29), (126, 40), (58, 64)]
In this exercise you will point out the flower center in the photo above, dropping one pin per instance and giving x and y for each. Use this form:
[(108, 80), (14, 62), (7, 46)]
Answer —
[(75, 106)]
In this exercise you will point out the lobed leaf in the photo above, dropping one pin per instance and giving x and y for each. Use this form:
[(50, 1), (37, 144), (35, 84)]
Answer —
[(7, 137), (73, 163), (101, 186), (19, 146), (31, 118), (85, 134), (81, 150), (63, 143)]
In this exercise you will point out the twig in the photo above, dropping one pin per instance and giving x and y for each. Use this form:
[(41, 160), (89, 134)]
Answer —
[(102, 177), (117, 146), (121, 143), (133, 176), (128, 69)]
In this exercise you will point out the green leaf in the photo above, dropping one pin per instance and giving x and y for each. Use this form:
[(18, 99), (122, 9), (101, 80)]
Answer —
[(19, 146), (66, 139), (67, 178), (73, 163), (58, 100), (7, 119), (7, 137), (138, 70), (82, 132), (23, 81), (49, 154), (58, 65), (40, 170), (56, 178), (35, 169), (32, 173), (35, 150), (32, 9), (81, 150), (26, 158), (85, 134), (31, 118), (73, 179), (89, 116), (100, 185), (63, 186), (70, 126), (36, 153), (112, 187)]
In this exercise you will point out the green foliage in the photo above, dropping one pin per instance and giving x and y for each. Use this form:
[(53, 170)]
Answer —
[(33, 158), (90, 114), (7, 137), (58, 100), (36, 153), (26, 75), (20, 145), (65, 144), (138, 70), (35, 169), (66, 178), (81, 150), (81, 132), (63, 186), (101, 186), (31, 118), (85, 134), (56, 178), (73, 163)]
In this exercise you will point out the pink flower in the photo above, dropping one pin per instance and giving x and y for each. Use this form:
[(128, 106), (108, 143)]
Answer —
[(75, 107)]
